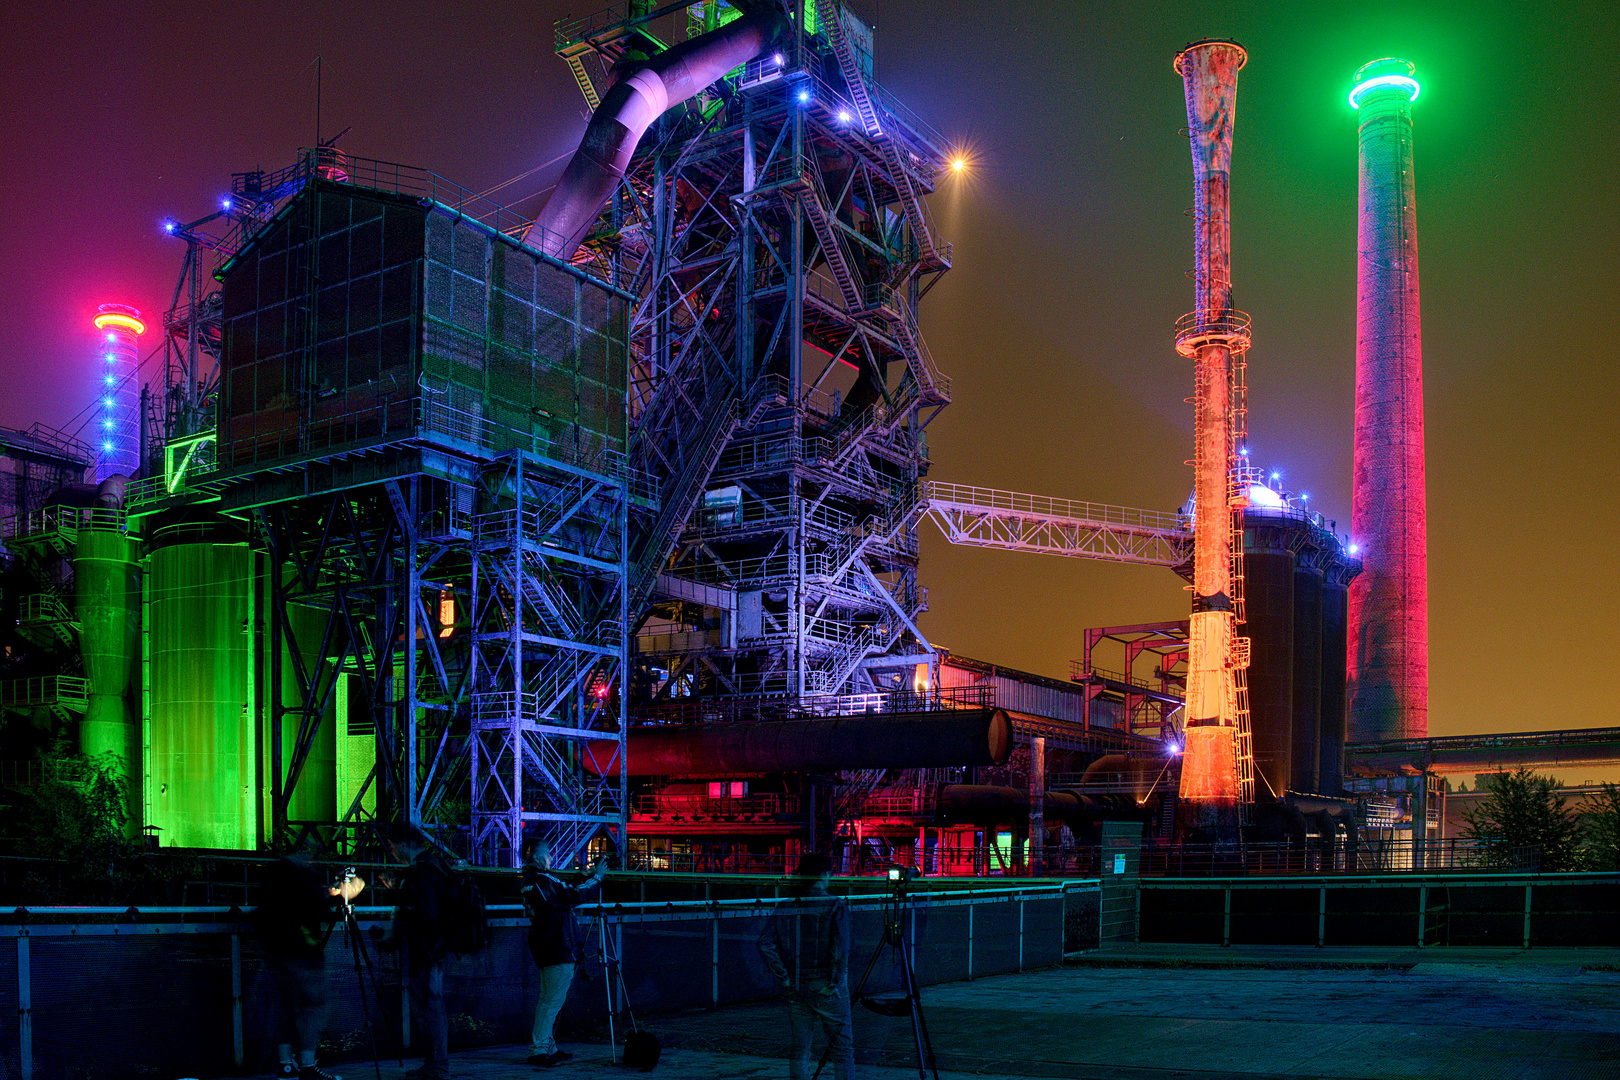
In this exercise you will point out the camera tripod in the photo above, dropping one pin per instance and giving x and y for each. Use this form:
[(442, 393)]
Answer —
[(908, 1002), (363, 969)]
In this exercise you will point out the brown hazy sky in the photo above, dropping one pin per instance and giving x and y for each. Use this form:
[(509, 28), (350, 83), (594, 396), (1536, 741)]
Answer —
[(1071, 247)]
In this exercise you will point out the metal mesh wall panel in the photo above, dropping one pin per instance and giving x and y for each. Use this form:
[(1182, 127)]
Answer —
[(10, 1064), (995, 939), (319, 311), (339, 306), (160, 1003), (157, 1004), (942, 943)]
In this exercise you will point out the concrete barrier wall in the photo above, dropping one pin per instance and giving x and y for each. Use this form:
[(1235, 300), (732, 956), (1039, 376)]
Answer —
[(186, 992), (1510, 910)]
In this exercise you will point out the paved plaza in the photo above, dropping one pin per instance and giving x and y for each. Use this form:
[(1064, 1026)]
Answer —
[(1202, 1013)]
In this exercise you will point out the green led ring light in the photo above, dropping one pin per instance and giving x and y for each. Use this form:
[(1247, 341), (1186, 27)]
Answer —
[(1361, 89)]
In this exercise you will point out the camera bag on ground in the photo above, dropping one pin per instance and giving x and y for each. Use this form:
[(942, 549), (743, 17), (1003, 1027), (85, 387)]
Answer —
[(641, 1049)]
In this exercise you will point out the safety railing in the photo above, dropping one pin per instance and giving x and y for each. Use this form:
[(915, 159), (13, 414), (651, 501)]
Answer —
[(66, 691), (1043, 506)]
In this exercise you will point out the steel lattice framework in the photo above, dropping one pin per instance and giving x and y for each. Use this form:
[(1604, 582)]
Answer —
[(549, 581), (774, 233)]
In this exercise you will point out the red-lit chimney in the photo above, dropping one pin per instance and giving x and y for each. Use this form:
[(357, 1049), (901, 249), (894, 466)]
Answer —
[(1389, 601)]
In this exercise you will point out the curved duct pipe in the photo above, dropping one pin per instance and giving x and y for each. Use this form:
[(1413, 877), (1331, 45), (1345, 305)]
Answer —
[(989, 804), (1143, 775), (1320, 804), (627, 110), (1327, 828), (1294, 826), (922, 740), (110, 492)]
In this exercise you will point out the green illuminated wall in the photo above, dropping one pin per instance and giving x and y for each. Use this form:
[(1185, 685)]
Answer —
[(108, 596), (203, 787), (356, 749), (313, 797)]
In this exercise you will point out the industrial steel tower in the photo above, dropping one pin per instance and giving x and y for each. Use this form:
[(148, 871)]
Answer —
[(1216, 774), (117, 442), (1389, 604)]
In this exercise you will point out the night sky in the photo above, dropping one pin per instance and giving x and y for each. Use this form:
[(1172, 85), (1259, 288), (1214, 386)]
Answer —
[(1072, 246)]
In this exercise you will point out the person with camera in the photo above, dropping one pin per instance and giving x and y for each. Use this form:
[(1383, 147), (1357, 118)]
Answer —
[(815, 974), (295, 906), (421, 927), (553, 942)]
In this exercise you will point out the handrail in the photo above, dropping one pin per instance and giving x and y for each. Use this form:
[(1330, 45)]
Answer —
[(1043, 506)]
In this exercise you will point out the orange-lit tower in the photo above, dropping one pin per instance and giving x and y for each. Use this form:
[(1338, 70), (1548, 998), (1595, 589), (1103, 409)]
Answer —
[(1389, 602), (1215, 776)]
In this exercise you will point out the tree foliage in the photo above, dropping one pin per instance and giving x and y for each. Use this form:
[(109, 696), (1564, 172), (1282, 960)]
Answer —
[(1524, 810), (1603, 830), (75, 823)]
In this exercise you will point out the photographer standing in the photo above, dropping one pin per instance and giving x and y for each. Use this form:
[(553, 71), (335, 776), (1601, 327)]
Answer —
[(550, 902), (815, 975), (421, 926), (292, 915)]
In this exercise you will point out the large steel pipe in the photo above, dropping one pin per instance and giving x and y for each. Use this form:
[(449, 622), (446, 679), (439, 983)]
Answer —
[(989, 805), (922, 740), (628, 109)]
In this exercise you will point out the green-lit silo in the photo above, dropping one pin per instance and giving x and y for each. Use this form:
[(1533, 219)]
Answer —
[(204, 784), (107, 587)]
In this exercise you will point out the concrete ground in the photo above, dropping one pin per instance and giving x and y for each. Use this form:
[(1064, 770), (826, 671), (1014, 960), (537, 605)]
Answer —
[(1194, 1012)]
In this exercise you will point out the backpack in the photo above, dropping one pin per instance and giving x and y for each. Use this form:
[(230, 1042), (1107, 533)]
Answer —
[(466, 923)]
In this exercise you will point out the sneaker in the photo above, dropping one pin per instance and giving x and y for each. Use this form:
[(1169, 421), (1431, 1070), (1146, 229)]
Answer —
[(315, 1072), (547, 1061), (562, 1055), (421, 1073), (287, 1070)]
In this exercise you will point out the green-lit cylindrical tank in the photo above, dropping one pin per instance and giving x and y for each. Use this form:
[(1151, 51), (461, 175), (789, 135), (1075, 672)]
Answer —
[(313, 797), (203, 787), (107, 588)]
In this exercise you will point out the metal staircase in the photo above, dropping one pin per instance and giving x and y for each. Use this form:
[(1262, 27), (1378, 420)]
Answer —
[(930, 255)]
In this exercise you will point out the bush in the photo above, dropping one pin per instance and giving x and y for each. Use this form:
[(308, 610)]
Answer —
[(75, 821), (1523, 810), (1603, 831)]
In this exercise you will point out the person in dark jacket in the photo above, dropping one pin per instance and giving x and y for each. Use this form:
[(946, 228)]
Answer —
[(420, 927), (550, 902), (295, 907), (806, 946)]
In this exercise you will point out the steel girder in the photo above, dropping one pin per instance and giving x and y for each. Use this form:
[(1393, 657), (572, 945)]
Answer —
[(376, 568), (550, 577)]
